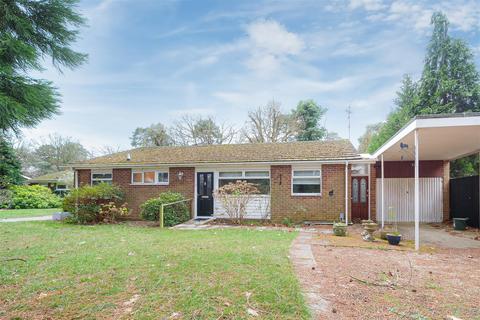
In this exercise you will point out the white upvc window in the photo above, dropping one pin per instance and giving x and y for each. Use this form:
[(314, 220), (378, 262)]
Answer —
[(150, 177), (260, 178), (99, 176), (306, 182)]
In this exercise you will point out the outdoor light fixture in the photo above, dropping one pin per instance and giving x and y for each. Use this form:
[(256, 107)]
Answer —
[(180, 175), (403, 146), (129, 157)]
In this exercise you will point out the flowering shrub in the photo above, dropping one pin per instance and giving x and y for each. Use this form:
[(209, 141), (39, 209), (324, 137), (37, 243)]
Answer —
[(235, 198), (94, 204)]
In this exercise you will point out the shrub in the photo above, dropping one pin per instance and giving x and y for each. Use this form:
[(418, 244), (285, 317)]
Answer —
[(6, 198), (235, 198), (33, 197), (172, 215), (93, 204)]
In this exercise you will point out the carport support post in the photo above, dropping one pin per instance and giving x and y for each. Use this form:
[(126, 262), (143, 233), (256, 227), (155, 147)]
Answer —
[(417, 195), (383, 197)]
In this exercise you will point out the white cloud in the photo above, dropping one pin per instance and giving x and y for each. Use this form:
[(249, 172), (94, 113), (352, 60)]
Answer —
[(369, 5), (271, 43)]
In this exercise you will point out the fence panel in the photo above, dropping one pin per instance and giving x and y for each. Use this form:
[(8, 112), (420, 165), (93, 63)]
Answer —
[(464, 202)]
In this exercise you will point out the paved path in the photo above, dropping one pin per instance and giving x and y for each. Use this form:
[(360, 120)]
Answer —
[(439, 237), (304, 265), (40, 218)]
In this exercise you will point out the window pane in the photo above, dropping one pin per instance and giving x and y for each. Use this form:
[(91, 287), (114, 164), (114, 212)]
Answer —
[(163, 177), (363, 190), (149, 177), (355, 191), (263, 185), (306, 173), (94, 182), (306, 181), (306, 188), (101, 176), (137, 177), (257, 174), (236, 174)]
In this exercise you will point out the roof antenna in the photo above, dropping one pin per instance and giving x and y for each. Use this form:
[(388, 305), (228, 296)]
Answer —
[(349, 112), (129, 157)]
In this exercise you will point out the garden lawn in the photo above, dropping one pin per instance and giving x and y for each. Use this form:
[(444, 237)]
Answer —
[(121, 271), (23, 213)]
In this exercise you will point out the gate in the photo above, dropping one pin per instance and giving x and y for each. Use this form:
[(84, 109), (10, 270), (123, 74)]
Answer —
[(464, 202)]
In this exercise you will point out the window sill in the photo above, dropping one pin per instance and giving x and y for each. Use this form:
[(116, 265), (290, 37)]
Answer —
[(149, 184), (306, 194)]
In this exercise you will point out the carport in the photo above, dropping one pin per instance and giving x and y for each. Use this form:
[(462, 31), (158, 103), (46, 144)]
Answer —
[(429, 137)]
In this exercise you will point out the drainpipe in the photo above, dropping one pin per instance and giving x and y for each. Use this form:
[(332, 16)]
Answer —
[(346, 192), (383, 195)]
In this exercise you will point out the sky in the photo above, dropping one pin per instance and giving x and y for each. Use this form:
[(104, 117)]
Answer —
[(156, 60)]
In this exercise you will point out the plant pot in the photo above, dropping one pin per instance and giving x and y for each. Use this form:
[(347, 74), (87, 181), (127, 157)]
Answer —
[(340, 230), (393, 239)]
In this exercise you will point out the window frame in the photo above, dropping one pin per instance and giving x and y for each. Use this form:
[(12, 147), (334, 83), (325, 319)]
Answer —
[(243, 177), (100, 180), (155, 182), (302, 194)]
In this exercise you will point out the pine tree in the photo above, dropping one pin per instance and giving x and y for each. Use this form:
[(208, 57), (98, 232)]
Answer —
[(31, 30), (307, 115), (10, 166)]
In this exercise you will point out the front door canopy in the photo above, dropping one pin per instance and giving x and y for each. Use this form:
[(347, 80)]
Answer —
[(441, 137)]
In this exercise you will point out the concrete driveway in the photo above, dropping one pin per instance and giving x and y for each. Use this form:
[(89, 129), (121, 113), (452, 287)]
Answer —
[(441, 237)]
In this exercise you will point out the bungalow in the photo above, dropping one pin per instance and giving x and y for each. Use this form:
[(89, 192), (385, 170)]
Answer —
[(407, 179), (59, 182)]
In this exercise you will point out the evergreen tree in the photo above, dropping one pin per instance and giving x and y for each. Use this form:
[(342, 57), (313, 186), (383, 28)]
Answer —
[(10, 166), (30, 31), (308, 115)]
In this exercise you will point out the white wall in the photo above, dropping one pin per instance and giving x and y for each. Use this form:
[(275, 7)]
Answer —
[(399, 195)]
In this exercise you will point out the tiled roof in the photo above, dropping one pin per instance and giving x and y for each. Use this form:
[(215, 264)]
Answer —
[(231, 153), (60, 176)]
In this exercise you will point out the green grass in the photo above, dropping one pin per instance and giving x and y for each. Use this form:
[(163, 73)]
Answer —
[(23, 213), (93, 272)]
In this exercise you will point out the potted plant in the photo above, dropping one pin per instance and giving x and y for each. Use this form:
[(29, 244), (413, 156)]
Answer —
[(394, 238), (340, 229)]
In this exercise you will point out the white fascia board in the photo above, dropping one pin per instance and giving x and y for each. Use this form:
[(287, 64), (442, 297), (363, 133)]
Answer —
[(396, 138), (216, 164), (448, 122)]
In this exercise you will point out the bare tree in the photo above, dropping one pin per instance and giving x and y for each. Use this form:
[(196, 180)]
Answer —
[(192, 130), (106, 150), (269, 124), (154, 135)]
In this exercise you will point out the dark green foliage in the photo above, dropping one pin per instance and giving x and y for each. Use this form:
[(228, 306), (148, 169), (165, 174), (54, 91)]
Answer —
[(34, 197), (468, 166), (173, 214), (30, 31), (85, 203), (450, 83), (10, 166), (308, 115)]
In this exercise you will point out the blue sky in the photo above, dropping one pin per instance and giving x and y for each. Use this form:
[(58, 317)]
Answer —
[(154, 61)]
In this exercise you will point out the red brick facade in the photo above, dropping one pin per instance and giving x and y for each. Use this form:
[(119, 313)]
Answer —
[(135, 195), (300, 208), (373, 192)]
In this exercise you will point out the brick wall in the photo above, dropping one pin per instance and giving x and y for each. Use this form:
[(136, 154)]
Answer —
[(135, 195), (300, 208), (373, 192), (84, 177)]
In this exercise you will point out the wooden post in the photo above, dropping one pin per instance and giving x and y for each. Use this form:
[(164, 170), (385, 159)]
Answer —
[(161, 216)]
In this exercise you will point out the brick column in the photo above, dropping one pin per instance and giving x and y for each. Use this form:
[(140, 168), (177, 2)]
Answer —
[(373, 192), (84, 177)]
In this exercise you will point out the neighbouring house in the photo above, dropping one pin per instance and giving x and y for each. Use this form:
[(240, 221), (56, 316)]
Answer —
[(302, 181), (59, 182)]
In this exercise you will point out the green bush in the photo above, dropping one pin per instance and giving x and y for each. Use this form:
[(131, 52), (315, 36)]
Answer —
[(87, 203), (33, 197), (5, 198), (172, 215)]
